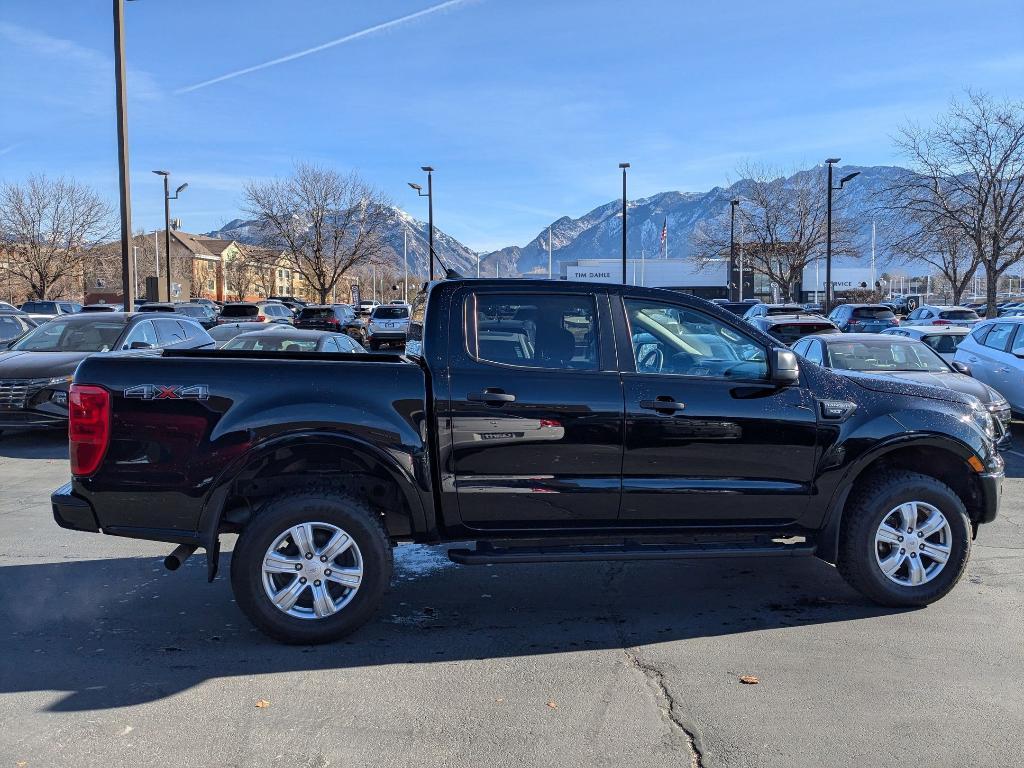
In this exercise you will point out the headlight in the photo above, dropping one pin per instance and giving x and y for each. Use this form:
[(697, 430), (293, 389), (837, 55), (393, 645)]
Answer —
[(983, 420), (59, 380)]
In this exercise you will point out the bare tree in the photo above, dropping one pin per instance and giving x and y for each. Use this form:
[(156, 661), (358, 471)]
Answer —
[(45, 228), (969, 176), (937, 243), (240, 275), (783, 226), (325, 222)]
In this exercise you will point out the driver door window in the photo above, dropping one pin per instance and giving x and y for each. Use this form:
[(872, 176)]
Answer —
[(142, 332), (683, 342)]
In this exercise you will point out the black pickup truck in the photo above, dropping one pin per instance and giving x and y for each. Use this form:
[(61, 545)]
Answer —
[(542, 420)]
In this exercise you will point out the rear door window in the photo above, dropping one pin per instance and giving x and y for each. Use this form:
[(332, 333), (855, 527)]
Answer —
[(945, 343), (144, 332), (539, 331)]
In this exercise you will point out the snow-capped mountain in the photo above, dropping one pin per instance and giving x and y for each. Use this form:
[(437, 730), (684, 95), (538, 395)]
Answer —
[(598, 233)]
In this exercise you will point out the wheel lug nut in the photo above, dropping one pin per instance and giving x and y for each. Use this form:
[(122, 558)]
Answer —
[(316, 583), (903, 551), (323, 558), (302, 580), (899, 538), (910, 530), (913, 554), (298, 566), (309, 555), (327, 572), (919, 533)]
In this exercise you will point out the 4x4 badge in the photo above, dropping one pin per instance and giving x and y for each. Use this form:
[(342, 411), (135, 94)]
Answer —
[(162, 392)]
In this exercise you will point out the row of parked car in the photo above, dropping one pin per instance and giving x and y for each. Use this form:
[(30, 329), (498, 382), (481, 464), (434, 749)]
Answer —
[(39, 351), (945, 346)]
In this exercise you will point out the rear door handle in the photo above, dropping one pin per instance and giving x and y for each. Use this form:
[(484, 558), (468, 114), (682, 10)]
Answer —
[(490, 395), (662, 403)]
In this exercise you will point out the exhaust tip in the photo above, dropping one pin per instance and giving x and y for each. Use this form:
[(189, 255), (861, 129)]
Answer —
[(179, 555)]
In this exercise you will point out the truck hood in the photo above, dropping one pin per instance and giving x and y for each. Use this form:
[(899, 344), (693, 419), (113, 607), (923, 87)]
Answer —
[(39, 365), (947, 380), (898, 385)]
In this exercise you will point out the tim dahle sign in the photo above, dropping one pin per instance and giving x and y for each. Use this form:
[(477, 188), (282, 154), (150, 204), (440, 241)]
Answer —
[(594, 275)]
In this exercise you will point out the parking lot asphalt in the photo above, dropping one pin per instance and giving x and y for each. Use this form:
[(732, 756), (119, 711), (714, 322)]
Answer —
[(109, 660)]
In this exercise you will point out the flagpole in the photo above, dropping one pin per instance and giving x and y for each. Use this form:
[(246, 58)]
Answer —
[(549, 253)]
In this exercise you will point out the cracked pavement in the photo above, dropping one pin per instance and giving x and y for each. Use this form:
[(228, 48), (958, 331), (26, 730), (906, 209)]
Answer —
[(111, 660)]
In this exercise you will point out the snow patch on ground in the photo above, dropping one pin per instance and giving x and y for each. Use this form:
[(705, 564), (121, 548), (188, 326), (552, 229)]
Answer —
[(415, 561)]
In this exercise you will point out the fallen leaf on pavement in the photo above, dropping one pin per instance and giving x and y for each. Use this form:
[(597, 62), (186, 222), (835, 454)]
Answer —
[(262, 704), (749, 680), (552, 705)]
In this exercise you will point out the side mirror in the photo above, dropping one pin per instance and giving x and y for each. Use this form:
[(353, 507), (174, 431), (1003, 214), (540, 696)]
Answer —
[(784, 368), (961, 368), (141, 345)]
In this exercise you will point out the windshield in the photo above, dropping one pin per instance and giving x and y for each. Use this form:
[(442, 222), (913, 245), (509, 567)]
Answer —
[(881, 355), (390, 313), (72, 336), (192, 311)]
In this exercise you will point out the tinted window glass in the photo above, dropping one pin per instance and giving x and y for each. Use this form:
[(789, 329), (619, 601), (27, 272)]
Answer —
[(814, 352), (142, 332), (790, 332), (391, 313), (999, 336), (674, 340), (42, 307), (945, 343), (1017, 348), (790, 309), (315, 313), (240, 310), (873, 313), (169, 331), (11, 327), (540, 331), (959, 314)]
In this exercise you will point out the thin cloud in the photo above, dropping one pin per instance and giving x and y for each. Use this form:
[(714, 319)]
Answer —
[(316, 49), (9, 148)]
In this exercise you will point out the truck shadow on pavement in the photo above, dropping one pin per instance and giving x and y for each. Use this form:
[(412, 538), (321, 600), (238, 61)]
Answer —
[(34, 444), (118, 632)]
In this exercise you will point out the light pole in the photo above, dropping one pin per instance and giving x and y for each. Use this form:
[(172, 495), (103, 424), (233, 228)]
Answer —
[(120, 89), (623, 166), (828, 229), (430, 211), (167, 224), (733, 204)]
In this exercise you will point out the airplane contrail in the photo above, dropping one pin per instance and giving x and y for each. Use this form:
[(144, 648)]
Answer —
[(324, 46)]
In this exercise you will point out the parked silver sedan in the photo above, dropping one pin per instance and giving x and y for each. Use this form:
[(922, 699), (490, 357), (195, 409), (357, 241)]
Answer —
[(944, 339), (994, 353)]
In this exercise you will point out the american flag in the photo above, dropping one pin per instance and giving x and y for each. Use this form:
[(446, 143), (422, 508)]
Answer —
[(664, 238)]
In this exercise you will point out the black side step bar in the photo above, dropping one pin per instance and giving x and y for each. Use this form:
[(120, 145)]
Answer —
[(485, 554)]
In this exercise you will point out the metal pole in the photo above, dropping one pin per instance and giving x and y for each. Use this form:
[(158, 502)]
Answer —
[(549, 253), (732, 249), (828, 246), (156, 264), (430, 218), (405, 255), (873, 255), (167, 234), (120, 88), (135, 274), (743, 236), (478, 264), (624, 166)]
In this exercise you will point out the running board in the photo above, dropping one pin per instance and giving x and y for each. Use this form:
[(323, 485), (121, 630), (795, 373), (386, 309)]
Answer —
[(483, 555)]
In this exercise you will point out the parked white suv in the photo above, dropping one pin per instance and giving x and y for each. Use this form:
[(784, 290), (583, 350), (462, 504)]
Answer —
[(389, 324), (994, 353)]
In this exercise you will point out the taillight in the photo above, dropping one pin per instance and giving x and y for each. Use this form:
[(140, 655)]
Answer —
[(333, 321), (261, 319), (88, 427), (942, 322), (894, 321)]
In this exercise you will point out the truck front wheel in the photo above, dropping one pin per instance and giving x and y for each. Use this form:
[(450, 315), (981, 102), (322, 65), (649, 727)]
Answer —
[(312, 566), (905, 539)]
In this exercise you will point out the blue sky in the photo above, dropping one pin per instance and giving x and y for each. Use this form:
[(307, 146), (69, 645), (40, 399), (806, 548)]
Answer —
[(525, 107)]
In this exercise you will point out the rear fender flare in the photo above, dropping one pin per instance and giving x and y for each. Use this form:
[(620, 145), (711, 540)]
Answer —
[(213, 508)]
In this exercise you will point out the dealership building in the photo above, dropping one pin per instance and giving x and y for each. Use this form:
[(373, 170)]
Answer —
[(709, 280)]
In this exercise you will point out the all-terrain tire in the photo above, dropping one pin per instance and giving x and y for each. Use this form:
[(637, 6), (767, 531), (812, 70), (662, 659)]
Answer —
[(872, 503), (329, 507)]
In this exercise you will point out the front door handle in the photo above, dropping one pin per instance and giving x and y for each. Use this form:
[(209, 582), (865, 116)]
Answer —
[(491, 395), (663, 403)]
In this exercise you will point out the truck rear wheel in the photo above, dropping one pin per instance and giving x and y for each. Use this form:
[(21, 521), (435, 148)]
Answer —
[(905, 539), (312, 566)]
